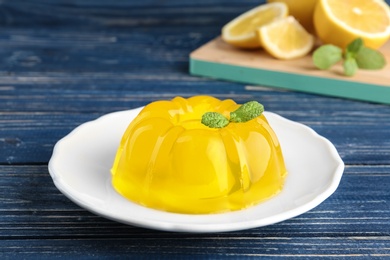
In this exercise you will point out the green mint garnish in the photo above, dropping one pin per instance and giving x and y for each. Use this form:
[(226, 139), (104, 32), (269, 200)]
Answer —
[(326, 56), (350, 67), (244, 113), (370, 59), (355, 56), (247, 112), (354, 47), (214, 120)]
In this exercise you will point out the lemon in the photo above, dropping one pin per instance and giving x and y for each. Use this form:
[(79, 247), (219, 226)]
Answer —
[(339, 22), (302, 10), (286, 39), (242, 31)]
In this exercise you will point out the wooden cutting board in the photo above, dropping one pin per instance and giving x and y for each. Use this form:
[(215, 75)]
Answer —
[(219, 60)]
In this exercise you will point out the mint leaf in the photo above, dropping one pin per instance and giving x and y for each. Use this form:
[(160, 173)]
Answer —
[(326, 56), (247, 112), (370, 59), (214, 120), (354, 47), (244, 113), (350, 67)]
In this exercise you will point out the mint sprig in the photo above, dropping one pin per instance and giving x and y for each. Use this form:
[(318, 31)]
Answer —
[(350, 66), (326, 56), (244, 113), (355, 56), (370, 59), (354, 47), (214, 120)]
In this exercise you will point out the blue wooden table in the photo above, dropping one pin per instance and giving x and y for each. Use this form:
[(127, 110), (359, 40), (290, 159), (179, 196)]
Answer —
[(67, 62)]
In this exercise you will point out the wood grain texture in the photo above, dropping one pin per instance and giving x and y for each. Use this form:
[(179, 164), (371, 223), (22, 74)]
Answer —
[(68, 62), (345, 224)]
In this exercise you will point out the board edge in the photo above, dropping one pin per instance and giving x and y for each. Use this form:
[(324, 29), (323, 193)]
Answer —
[(285, 80)]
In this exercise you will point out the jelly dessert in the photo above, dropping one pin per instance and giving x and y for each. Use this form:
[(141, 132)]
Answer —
[(199, 155)]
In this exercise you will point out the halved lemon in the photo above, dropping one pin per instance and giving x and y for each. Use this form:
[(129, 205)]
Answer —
[(339, 22), (242, 31), (286, 39)]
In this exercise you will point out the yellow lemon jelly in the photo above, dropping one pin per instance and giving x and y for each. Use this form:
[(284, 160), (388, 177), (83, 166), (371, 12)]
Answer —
[(168, 160)]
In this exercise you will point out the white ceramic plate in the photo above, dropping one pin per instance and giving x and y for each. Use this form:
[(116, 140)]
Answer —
[(81, 162)]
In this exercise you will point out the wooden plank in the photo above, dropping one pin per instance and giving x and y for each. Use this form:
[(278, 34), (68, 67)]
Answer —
[(215, 247), (38, 221), (30, 125), (220, 60)]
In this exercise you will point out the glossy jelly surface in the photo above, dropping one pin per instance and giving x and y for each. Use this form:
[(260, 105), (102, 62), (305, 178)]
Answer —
[(168, 160)]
